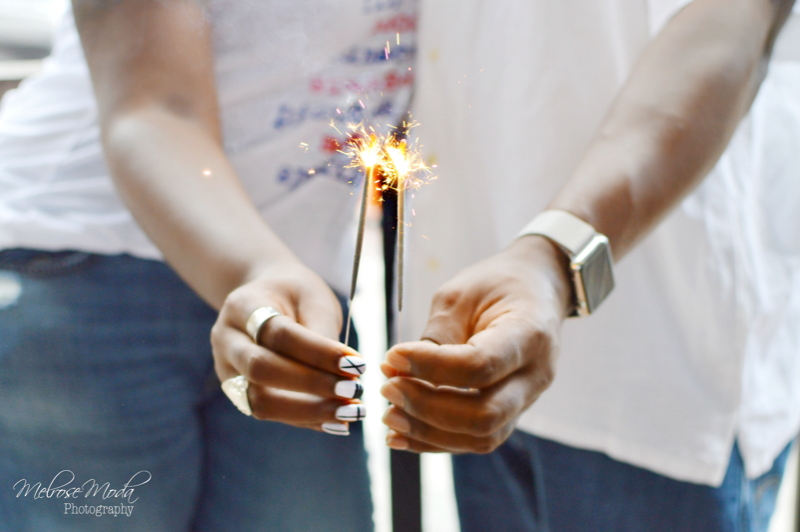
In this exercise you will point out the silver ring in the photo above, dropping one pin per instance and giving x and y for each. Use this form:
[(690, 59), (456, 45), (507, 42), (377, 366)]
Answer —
[(236, 390), (258, 319)]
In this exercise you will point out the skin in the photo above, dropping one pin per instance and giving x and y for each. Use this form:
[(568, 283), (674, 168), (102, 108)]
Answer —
[(492, 338), (152, 68)]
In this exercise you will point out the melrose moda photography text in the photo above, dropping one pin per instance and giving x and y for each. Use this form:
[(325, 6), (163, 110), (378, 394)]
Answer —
[(83, 498)]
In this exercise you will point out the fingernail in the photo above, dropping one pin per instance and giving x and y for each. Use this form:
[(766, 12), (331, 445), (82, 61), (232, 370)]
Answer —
[(398, 362), (397, 421), (352, 412), (353, 365), (349, 389), (236, 390), (339, 429), (393, 394), (397, 442)]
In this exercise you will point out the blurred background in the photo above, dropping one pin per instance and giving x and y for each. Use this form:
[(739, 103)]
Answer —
[(26, 27)]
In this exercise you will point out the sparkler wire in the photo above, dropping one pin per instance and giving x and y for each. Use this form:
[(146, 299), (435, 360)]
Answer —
[(401, 222), (362, 218)]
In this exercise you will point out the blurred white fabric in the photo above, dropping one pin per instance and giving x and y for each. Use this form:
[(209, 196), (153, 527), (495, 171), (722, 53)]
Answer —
[(285, 70), (699, 342)]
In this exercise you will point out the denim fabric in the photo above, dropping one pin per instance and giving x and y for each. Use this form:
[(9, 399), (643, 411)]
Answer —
[(533, 484), (106, 371)]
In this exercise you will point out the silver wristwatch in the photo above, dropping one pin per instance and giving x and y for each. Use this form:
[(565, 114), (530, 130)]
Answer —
[(589, 256)]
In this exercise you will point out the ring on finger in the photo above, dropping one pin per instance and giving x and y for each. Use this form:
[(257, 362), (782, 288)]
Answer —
[(236, 390), (258, 319)]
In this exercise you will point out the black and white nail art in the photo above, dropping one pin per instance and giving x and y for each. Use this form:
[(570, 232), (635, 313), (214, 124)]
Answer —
[(339, 429), (353, 365), (349, 389), (351, 412)]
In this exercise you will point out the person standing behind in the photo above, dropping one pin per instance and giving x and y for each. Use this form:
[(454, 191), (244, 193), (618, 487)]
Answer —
[(672, 406), (197, 136)]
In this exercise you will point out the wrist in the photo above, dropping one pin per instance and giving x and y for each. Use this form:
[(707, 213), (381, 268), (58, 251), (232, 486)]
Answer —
[(590, 269), (541, 254)]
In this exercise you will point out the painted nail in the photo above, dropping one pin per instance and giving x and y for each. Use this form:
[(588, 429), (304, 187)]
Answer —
[(397, 421), (349, 389), (398, 362), (353, 365), (397, 442), (354, 412), (339, 429), (236, 390), (393, 394)]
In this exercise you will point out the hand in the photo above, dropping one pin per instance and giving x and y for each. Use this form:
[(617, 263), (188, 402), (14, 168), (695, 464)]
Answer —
[(295, 373), (487, 353)]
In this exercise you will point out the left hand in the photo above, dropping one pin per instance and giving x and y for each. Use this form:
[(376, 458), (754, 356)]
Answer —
[(487, 353)]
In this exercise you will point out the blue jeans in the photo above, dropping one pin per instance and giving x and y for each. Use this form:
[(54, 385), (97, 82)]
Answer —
[(106, 374), (534, 484)]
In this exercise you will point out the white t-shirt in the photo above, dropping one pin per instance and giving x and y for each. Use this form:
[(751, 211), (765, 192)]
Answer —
[(699, 343), (285, 70)]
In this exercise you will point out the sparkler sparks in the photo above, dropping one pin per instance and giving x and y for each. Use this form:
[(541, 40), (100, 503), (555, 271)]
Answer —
[(400, 165)]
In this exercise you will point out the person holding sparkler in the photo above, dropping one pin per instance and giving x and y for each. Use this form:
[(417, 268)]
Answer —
[(670, 407), (193, 135)]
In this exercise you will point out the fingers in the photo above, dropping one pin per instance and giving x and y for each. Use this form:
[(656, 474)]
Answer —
[(305, 333), (416, 436), (283, 336), (491, 355), (459, 420), (321, 314), (400, 442), (304, 410), (262, 366)]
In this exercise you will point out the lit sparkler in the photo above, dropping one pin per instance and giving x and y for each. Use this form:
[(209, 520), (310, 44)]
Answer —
[(365, 152), (399, 164)]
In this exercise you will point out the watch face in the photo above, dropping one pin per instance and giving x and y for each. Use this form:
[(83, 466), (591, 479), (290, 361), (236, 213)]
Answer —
[(595, 277)]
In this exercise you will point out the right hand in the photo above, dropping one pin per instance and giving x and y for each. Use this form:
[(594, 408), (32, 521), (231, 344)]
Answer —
[(295, 367)]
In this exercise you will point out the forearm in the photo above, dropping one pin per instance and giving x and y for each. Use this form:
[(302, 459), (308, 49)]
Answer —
[(178, 184), (673, 118), (152, 67)]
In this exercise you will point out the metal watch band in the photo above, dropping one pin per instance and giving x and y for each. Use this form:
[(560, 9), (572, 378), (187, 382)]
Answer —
[(563, 228)]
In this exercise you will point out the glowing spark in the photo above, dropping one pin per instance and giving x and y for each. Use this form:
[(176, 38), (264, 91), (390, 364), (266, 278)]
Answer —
[(207, 173), (304, 146), (333, 125), (400, 165), (398, 38), (338, 110), (362, 104)]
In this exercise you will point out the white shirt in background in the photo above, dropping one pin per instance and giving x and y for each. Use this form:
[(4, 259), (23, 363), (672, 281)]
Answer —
[(285, 70), (699, 344)]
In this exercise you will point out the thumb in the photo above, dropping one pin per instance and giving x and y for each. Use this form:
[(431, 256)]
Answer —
[(450, 320), (320, 311)]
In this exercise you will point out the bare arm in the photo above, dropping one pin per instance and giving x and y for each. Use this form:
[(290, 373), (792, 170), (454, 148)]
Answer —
[(494, 329), (152, 67), (674, 117)]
